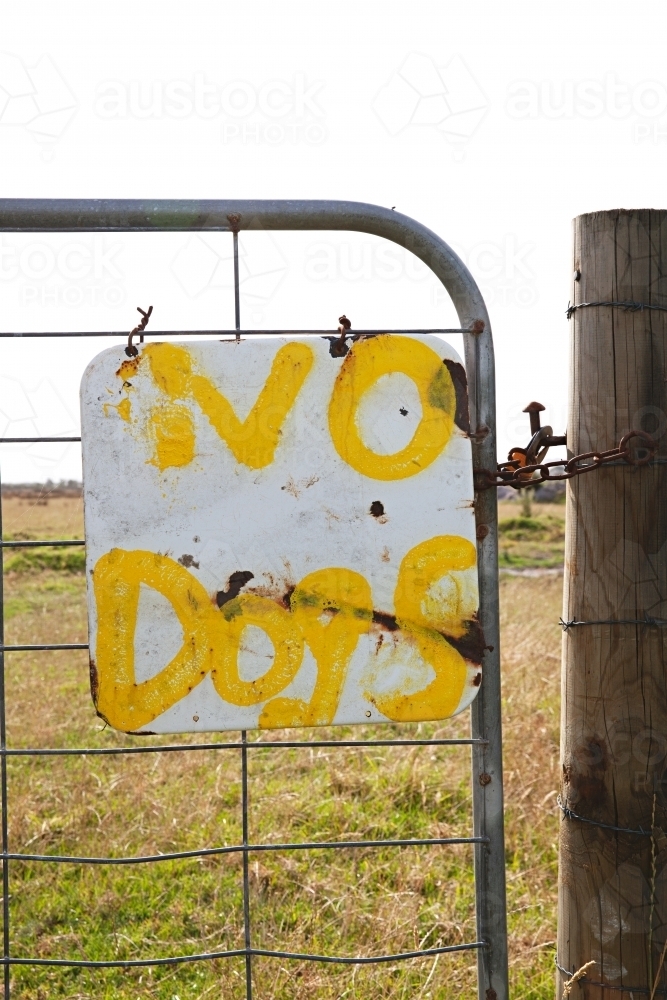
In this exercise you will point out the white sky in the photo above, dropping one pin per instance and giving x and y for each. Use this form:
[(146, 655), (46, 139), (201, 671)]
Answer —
[(493, 124)]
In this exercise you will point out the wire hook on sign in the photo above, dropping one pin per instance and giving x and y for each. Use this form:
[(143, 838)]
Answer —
[(339, 347), (131, 350)]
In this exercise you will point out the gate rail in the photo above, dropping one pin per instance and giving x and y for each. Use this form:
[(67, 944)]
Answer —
[(47, 215)]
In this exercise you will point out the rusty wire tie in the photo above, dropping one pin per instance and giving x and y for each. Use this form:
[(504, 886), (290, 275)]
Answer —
[(570, 814), (647, 620), (131, 350), (338, 346), (627, 306), (519, 476)]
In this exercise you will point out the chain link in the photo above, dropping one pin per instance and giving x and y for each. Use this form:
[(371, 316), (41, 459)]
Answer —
[(518, 475)]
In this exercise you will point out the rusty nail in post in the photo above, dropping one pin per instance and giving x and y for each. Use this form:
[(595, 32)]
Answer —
[(534, 409), (482, 531), (484, 778), (478, 326)]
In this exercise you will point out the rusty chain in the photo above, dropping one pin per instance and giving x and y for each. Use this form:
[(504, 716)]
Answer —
[(518, 474)]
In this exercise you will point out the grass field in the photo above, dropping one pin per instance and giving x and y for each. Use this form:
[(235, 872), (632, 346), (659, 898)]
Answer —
[(531, 541), (345, 902)]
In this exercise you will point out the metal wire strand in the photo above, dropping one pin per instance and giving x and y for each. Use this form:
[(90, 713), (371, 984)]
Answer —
[(628, 305), (32, 647), (36, 544), (122, 334), (248, 952), (251, 744), (570, 814), (246, 859), (246, 848), (646, 620)]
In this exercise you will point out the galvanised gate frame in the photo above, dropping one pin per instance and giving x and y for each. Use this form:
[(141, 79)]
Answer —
[(73, 216)]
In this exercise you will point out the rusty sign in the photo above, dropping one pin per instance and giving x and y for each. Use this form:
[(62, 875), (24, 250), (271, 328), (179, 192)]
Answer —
[(279, 536)]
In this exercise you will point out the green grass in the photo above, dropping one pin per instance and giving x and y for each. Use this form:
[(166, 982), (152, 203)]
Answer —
[(58, 559), (531, 542), (346, 902), (361, 902)]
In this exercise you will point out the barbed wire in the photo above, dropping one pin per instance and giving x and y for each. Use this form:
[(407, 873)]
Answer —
[(647, 621), (628, 305), (571, 814)]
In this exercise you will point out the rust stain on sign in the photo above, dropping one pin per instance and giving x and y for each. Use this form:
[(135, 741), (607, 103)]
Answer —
[(129, 368), (459, 379), (236, 581), (265, 454)]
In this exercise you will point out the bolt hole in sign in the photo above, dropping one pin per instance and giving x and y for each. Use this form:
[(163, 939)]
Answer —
[(277, 536)]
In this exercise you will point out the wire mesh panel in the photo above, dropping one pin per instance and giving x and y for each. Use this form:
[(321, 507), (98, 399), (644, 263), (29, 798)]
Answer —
[(223, 821)]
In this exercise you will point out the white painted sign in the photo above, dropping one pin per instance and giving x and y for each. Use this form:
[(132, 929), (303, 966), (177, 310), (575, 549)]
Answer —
[(277, 536)]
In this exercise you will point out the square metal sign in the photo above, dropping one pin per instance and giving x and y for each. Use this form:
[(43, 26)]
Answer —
[(279, 536)]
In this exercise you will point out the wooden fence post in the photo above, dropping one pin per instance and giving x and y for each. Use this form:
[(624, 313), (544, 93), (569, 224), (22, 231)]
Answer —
[(613, 883)]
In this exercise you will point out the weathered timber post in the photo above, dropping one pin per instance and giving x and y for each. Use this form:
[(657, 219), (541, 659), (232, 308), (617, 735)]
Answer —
[(613, 883)]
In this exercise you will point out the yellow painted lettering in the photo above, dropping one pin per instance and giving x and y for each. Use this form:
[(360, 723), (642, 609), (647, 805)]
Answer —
[(117, 577), (329, 610), (174, 433), (123, 409), (250, 609), (367, 361), (332, 607), (253, 441), (421, 618)]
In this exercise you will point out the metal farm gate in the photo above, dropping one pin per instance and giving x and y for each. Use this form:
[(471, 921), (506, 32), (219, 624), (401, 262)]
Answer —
[(104, 216)]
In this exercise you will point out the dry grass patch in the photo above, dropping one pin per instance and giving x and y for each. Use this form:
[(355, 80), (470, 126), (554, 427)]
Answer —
[(42, 517)]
